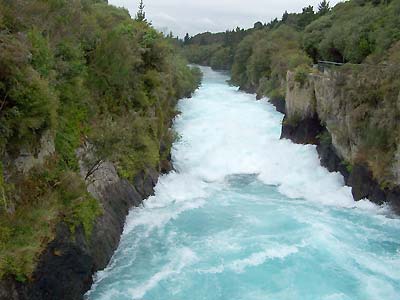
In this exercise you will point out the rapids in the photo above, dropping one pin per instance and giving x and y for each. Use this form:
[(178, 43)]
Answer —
[(247, 216)]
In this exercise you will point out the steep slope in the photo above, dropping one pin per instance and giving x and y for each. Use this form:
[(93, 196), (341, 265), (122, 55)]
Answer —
[(352, 113), (87, 96)]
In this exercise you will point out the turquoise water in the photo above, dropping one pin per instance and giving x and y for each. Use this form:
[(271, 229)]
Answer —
[(248, 216)]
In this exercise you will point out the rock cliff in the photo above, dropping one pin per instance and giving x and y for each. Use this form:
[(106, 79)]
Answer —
[(352, 113), (66, 266)]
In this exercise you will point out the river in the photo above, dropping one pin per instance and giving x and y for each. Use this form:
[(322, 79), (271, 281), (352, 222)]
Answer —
[(247, 216)]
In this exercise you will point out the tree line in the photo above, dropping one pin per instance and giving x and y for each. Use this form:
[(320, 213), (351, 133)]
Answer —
[(351, 32)]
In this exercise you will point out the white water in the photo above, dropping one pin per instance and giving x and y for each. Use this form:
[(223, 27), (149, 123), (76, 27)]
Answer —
[(249, 216)]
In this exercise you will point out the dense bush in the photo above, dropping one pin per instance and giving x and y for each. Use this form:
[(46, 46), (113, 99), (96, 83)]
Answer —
[(81, 72), (263, 59), (357, 31), (214, 49), (354, 31)]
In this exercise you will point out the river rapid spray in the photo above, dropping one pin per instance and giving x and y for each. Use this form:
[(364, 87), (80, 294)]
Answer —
[(249, 216)]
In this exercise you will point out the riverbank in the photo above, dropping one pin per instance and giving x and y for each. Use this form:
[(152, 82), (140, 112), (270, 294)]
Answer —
[(66, 267), (247, 215), (85, 132), (351, 116), (302, 125)]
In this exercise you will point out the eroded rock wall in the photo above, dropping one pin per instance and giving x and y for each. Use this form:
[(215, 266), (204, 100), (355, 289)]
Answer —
[(353, 115), (66, 267)]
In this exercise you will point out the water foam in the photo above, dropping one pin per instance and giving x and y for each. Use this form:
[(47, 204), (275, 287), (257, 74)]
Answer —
[(185, 257), (249, 216), (259, 258)]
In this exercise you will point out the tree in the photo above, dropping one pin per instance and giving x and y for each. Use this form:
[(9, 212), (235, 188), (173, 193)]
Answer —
[(258, 25), (285, 16), (324, 7), (306, 17), (186, 39), (141, 15)]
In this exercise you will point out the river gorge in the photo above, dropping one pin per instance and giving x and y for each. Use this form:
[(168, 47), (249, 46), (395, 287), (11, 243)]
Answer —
[(247, 215)]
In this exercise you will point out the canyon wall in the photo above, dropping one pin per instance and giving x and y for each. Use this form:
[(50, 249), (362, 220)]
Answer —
[(352, 113), (65, 268)]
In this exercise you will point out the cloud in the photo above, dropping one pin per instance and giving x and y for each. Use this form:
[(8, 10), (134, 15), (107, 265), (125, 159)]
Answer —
[(164, 16), (181, 16)]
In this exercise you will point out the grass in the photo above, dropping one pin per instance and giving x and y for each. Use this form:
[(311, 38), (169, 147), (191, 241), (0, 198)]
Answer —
[(23, 236), (84, 212), (46, 197)]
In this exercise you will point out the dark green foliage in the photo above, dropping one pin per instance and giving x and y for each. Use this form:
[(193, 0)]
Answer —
[(186, 39), (324, 7), (301, 74), (141, 15), (42, 59), (353, 33), (258, 25), (81, 72), (325, 138), (263, 59), (216, 50), (221, 59)]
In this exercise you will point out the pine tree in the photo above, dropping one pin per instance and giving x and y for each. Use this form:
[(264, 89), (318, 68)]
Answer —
[(186, 39), (324, 7), (285, 16), (141, 15)]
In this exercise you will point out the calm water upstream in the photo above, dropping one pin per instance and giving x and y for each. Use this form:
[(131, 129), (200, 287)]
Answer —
[(248, 216)]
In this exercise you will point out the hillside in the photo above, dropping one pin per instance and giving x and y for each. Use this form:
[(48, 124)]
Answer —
[(86, 94)]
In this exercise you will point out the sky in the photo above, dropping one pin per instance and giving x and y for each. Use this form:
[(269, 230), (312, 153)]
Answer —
[(196, 16)]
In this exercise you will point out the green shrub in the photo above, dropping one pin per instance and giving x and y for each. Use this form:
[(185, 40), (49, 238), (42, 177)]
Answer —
[(23, 236), (85, 212), (301, 74), (42, 58), (348, 166), (107, 80), (325, 138)]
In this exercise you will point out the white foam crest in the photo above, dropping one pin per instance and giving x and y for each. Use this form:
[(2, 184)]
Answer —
[(213, 270), (378, 289), (256, 259), (110, 294), (387, 267), (225, 132), (174, 194), (260, 258), (183, 258), (336, 296)]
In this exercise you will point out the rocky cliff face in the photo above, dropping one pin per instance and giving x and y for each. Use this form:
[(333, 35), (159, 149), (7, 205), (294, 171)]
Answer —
[(66, 267), (353, 115)]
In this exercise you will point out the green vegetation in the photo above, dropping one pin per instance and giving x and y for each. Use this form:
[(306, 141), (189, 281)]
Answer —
[(80, 72), (373, 99), (266, 56), (215, 50), (353, 31), (325, 138), (45, 197), (348, 166), (363, 34), (301, 74)]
